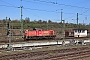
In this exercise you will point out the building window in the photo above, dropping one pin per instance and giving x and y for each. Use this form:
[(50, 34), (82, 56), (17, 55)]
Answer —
[(75, 30), (83, 31), (79, 31)]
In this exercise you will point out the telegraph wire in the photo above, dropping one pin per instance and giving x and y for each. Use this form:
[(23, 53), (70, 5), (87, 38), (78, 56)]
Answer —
[(35, 2), (42, 10), (38, 9), (68, 17), (84, 12), (39, 17), (62, 4), (33, 14), (27, 8), (45, 1), (69, 13), (46, 10), (55, 3), (23, 7), (59, 4), (8, 4)]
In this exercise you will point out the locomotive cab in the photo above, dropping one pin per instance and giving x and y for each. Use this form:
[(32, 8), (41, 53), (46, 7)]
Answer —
[(37, 29)]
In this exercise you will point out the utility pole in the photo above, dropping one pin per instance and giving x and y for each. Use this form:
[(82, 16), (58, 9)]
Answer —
[(9, 47), (61, 15), (47, 24), (21, 22), (62, 25), (77, 20), (6, 23), (9, 30), (21, 19), (63, 32), (62, 29), (83, 22)]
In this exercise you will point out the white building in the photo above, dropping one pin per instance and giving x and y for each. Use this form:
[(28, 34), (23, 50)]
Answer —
[(80, 32)]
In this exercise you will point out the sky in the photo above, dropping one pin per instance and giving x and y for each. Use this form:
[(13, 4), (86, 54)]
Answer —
[(47, 10)]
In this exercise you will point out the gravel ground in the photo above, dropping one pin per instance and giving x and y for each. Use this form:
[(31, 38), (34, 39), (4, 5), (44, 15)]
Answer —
[(88, 58)]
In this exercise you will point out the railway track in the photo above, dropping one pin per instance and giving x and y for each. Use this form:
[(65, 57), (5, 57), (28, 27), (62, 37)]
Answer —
[(22, 40), (63, 54), (71, 56)]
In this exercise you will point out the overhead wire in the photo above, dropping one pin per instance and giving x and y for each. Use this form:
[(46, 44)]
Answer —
[(55, 3), (46, 10), (66, 5), (84, 12), (42, 10), (35, 2), (23, 7), (39, 16), (49, 11), (37, 9), (61, 4), (33, 14), (27, 8), (8, 4)]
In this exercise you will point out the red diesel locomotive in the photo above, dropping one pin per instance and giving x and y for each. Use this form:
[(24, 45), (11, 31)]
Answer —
[(39, 34)]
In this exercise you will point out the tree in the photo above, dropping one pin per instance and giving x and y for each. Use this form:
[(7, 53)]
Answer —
[(16, 21), (27, 19), (39, 21), (44, 21), (49, 21)]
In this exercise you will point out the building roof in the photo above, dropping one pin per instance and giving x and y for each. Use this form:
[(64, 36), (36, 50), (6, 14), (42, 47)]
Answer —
[(70, 30), (80, 29)]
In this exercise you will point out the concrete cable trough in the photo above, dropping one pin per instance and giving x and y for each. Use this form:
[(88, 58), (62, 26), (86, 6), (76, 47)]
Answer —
[(40, 43), (33, 44)]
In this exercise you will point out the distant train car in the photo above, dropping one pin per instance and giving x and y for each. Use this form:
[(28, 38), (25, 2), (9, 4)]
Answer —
[(39, 34)]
